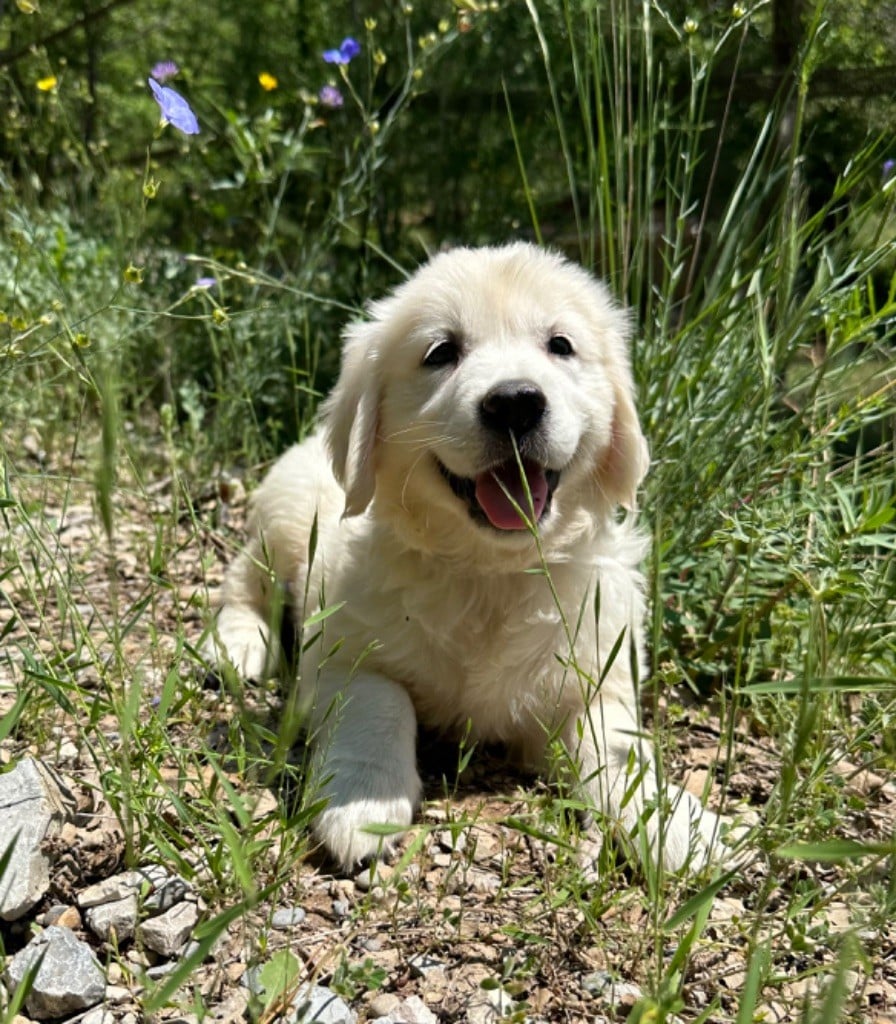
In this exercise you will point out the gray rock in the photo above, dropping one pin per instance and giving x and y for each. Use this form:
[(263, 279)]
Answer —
[(69, 978), (287, 917), (100, 1015), (167, 933), (166, 892), (116, 920), (422, 964), (157, 887), (34, 804), (602, 986), (413, 1011), (110, 890), (383, 1005), (316, 1004)]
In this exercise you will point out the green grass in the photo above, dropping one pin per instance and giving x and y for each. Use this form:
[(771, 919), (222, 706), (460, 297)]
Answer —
[(764, 354)]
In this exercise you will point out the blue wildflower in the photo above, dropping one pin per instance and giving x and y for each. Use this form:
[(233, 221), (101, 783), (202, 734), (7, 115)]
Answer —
[(889, 169), (175, 109), (206, 282), (331, 97), (348, 49), (164, 70)]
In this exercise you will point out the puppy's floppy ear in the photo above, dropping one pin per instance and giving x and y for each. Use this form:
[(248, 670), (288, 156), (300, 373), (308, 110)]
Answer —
[(624, 464), (351, 418)]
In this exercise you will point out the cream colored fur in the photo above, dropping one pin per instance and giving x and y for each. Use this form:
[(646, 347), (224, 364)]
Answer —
[(442, 624)]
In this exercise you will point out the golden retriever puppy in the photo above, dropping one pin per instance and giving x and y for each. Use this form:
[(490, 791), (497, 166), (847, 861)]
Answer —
[(466, 483)]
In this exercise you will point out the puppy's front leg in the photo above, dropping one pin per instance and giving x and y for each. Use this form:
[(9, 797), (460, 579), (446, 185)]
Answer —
[(618, 775), (363, 764)]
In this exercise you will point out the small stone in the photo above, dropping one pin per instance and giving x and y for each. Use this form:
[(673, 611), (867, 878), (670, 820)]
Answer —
[(167, 933), (110, 890), (69, 979), (100, 1015), (595, 982), (413, 1011), (166, 893), (383, 1005), (114, 921), (65, 917), (287, 917), (421, 964), (452, 841), (116, 994), (160, 970), (340, 908), (316, 1004), (604, 987)]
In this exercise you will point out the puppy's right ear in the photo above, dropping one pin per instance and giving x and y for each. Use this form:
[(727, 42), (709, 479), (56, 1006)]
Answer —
[(351, 418)]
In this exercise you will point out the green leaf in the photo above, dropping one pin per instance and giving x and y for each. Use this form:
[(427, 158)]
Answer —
[(816, 684), (324, 613), (835, 850), (279, 975), (698, 901)]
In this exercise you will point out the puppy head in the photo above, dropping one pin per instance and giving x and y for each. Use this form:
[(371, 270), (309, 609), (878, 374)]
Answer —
[(493, 378)]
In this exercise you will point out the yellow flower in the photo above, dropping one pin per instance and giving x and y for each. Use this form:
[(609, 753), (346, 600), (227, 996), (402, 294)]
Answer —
[(267, 81), (47, 84)]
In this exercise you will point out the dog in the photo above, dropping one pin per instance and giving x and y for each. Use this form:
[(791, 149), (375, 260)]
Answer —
[(470, 493)]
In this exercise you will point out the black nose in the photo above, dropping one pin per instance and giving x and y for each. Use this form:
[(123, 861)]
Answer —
[(514, 405)]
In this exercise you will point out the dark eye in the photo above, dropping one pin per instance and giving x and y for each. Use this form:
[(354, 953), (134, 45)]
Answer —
[(560, 345), (443, 353)]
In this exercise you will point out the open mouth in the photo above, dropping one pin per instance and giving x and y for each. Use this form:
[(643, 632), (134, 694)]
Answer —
[(492, 496)]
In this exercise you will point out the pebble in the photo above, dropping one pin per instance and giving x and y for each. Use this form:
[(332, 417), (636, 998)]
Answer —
[(320, 1005), (422, 964), (383, 1005), (412, 1011), (340, 908), (99, 1015), (65, 917), (287, 917)]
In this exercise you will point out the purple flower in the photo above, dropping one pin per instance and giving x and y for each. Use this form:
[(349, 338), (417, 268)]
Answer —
[(175, 109), (164, 70), (331, 97), (206, 282), (348, 49), (889, 168)]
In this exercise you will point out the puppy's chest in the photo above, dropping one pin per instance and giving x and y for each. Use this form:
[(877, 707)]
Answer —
[(469, 655)]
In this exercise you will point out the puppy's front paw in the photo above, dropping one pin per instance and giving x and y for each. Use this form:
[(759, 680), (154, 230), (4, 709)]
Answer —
[(359, 830), (240, 638)]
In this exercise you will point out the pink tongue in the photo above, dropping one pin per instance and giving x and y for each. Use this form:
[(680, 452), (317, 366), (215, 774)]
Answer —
[(495, 503)]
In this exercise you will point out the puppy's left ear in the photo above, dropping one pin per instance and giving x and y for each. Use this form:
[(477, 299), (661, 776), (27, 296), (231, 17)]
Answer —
[(625, 463), (351, 418)]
